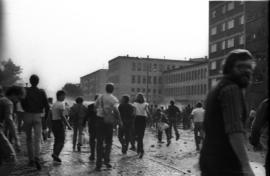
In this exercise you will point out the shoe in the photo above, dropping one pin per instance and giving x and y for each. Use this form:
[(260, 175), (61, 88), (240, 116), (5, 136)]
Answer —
[(141, 155), (79, 147), (108, 165), (160, 142), (56, 158), (37, 163), (168, 143), (98, 168), (91, 157), (177, 137), (132, 148)]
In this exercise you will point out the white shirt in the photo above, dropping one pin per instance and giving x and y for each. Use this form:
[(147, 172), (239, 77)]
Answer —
[(198, 114), (141, 109), (57, 110), (109, 102)]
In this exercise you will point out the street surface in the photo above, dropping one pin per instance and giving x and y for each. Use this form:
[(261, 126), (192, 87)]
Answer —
[(180, 158)]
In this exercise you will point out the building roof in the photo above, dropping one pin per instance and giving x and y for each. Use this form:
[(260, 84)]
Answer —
[(151, 59), (99, 70), (188, 66)]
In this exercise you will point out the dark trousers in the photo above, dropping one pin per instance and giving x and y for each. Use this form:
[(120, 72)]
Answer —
[(92, 137), (104, 134), (140, 125), (125, 134), (172, 124), (167, 132), (198, 133), (58, 129), (6, 148)]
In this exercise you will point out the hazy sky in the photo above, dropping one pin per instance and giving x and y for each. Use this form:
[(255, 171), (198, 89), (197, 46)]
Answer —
[(62, 40)]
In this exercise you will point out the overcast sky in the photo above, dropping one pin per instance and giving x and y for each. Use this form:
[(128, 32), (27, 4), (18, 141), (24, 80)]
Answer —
[(62, 40)]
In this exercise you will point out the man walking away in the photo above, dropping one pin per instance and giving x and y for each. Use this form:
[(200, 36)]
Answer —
[(197, 116), (224, 149), (173, 113), (92, 119), (78, 113), (128, 115), (107, 111), (33, 105)]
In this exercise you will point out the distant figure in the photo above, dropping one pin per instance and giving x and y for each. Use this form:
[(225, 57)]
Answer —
[(58, 125), (33, 105), (107, 113), (141, 111), (224, 147), (173, 113), (197, 116), (49, 119), (162, 125), (128, 115), (78, 113), (252, 115), (186, 115), (13, 95), (261, 121), (92, 119)]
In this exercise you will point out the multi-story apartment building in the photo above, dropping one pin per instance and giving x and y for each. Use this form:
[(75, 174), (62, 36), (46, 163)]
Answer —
[(186, 85), (94, 83), (239, 24), (132, 75)]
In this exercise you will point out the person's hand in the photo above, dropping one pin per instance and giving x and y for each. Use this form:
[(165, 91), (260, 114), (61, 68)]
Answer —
[(69, 127)]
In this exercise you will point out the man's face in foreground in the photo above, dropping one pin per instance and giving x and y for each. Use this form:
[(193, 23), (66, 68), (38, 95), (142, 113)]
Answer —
[(242, 72)]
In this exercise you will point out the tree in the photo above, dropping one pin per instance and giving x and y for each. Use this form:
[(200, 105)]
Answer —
[(72, 90), (9, 73)]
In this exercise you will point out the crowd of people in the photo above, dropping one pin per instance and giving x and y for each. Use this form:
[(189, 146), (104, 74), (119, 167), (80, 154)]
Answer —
[(219, 125)]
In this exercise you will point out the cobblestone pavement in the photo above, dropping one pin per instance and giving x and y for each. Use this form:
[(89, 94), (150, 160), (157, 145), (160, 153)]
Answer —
[(180, 158)]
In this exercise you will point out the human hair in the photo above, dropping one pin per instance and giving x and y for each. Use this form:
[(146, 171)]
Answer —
[(125, 98), (139, 98), (34, 80), (109, 87), (50, 99), (96, 97), (233, 57), (199, 105), (79, 100), (172, 102), (60, 93), (15, 90)]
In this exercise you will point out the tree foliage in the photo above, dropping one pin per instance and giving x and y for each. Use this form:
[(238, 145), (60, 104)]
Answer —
[(9, 73), (72, 90)]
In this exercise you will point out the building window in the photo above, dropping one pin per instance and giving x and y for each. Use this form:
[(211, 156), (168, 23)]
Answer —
[(149, 80), (154, 79), (230, 6), (159, 91), (241, 40), (132, 90), (230, 43), (213, 65), (214, 13), (139, 67), (138, 89), (214, 31), (154, 91), (138, 79), (155, 68), (144, 79), (160, 80), (168, 67), (223, 45), (231, 24), (224, 9), (223, 27), (133, 79), (133, 66), (213, 48), (241, 19), (214, 82), (143, 90)]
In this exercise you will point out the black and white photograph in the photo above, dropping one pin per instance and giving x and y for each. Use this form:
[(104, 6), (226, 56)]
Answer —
[(134, 88)]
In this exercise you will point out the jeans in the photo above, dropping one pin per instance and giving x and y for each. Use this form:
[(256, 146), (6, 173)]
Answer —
[(33, 120), (140, 125), (6, 149), (104, 134), (172, 124), (125, 134), (167, 132), (198, 133), (92, 137), (78, 128), (58, 129)]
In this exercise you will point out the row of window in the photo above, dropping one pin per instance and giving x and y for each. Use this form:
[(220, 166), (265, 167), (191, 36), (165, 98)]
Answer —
[(142, 66), (227, 7), (138, 79), (228, 43), (143, 90), (199, 89), (227, 25), (187, 76)]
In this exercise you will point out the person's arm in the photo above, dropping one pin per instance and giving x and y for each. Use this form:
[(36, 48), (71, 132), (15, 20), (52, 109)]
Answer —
[(117, 114), (62, 112), (232, 110), (46, 104)]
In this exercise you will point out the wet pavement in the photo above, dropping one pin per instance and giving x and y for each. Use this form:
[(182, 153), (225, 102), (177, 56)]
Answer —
[(180, 158)]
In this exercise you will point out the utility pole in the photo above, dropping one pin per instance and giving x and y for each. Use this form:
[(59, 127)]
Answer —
[(147, 75)]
